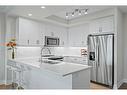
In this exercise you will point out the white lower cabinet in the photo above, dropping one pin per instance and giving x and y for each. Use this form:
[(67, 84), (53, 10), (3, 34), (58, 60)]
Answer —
[(45, 79), (77, 60)]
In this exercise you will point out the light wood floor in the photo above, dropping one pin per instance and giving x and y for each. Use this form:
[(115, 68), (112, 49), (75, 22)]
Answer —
[(97, 86), (93, 86), (3, 86)]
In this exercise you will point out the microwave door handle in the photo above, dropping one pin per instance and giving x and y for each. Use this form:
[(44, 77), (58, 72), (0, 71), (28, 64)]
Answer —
[(58, 41)]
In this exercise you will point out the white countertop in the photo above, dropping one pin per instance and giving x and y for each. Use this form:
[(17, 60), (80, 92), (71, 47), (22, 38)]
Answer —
[(62, 68)]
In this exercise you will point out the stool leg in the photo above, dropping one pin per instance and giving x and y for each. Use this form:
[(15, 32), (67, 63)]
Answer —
[(20, 80), (12, 79), (14, 85)]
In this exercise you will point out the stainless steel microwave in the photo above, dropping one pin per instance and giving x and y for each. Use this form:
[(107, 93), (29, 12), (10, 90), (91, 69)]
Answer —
[(51, 41)]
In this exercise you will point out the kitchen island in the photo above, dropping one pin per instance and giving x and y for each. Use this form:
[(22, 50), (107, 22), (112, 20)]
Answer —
[(61, 75)]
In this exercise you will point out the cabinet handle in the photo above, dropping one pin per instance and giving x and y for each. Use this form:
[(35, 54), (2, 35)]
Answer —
[(28, 41)]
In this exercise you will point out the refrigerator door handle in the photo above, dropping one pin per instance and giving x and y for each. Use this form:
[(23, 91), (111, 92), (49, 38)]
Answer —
[(98, 58)]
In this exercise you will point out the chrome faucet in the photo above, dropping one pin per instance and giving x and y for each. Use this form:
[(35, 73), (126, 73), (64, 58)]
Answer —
[(42, 51), (45, 48)]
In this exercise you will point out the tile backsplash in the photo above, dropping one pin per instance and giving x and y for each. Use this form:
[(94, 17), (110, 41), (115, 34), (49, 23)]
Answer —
[(67, 51), (22, 52)]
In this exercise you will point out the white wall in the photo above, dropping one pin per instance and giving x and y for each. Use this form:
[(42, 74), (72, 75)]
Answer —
[(120, 57), (11, 28), (2, 48), (125, 46)]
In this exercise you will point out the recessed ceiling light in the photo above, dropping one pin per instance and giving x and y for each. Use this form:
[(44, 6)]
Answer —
[(86, 13), (66, 15), (29, 14), (73, 14), (80, 13), (42, 7)]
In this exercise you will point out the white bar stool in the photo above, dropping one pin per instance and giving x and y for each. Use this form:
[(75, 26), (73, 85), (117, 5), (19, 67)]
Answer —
[(18, 71)]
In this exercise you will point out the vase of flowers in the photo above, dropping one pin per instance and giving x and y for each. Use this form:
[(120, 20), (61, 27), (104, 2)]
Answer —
[(12, 46)]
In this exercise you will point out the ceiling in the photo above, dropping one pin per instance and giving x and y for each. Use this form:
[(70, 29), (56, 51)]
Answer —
[(51, 13)]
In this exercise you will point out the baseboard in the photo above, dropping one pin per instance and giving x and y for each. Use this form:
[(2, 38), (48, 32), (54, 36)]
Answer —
[(125, 80), (8, 81), (2, 81), (121, 82)]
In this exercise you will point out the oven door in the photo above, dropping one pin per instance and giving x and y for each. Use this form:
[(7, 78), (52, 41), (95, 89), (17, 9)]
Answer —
[(51, 41)]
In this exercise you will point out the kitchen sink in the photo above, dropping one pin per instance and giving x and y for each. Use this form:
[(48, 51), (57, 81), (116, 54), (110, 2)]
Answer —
[(49, 61), (47, 55)]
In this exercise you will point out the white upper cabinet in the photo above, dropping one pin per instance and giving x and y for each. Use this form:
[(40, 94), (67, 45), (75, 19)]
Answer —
[(29, 32), (57, 31), (32, 33), (78, 35), (107, 24), (102, 25)]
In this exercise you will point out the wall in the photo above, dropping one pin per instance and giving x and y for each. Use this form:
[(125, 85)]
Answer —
[(125, 47), (11, 31), (2, 48), (120, 57), (11, 28)]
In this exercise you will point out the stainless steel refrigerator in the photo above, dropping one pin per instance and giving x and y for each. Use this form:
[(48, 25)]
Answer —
[(101, 58)]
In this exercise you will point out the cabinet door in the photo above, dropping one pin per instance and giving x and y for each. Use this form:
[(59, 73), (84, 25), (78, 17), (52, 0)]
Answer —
[(24, 31), (50, 30), (78, 35), (104, 25), (30, 32), (61, 32), (57, 31), (42, 34), (94, 26), (34, 33), (107, 24)]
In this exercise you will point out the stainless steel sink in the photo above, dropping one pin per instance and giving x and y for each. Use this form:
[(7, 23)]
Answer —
[(47, 55), (49, 61)]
